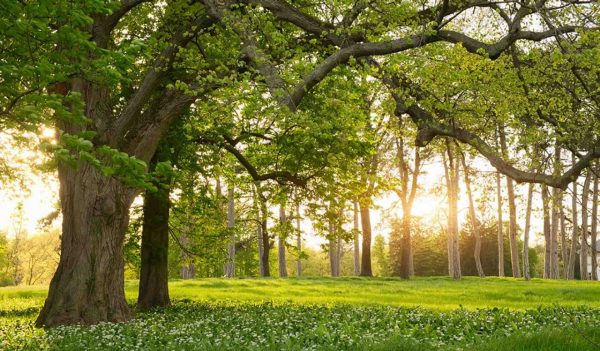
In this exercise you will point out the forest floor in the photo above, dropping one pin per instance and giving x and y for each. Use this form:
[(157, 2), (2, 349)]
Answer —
[(331, 314)]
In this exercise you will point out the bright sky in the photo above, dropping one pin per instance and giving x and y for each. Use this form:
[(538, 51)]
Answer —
[(41, 199)]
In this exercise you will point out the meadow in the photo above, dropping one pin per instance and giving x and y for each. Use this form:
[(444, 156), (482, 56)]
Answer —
[(331, 314)]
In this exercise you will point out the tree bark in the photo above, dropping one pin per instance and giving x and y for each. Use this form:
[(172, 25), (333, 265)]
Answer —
[(500, 238), (583, 255), (230, 266), (154, 273), (281, 244), (356, 241), (88, 286), (526, 269), (365, 219), (474, 220)]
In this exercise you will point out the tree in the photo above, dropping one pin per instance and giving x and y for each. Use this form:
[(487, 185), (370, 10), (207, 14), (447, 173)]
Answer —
[(154, 276), (118, 94), (512, 213), (452, 171), (381, 256), (472, 217)]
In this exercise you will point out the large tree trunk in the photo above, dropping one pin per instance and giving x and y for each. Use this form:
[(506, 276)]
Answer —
[(526, 269), (594, 229), (365, 219), (87, 287), (281, 245), (500, 237), (154, 273), (583, 255), (230, 265), (356, 241), (473, 217), (574, 231)]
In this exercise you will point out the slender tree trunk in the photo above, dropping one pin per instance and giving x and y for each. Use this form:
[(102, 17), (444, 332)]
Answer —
[(259, 231), (265, 245), (563, 239), (299, 242), (500, 227), (365, 219), (405, 255), (356, 241), (512, 214), (473, 217), (154, 273), (555, 225), (281, 245), (575, 231), (452, 175), (547, 233), (88, 286), (333, 250), (583, 255), (259, 236), (230, 266), (526, 269), (512, 229), (594, 229)]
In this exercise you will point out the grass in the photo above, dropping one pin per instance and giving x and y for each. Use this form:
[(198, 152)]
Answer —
[(439, 293), (332, 314)]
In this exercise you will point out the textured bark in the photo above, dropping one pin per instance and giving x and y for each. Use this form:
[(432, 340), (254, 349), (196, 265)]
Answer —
[(154, 274), (500, 237), (230, 265), (547, 233), (356, 241), (583, 255), (473, 218), (526, 269), (365, 220), (87, 287), (281, 245), (574, 231)]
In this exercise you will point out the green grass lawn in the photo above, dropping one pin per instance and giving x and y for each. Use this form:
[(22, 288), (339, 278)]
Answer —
[(332, 314)]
